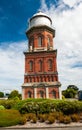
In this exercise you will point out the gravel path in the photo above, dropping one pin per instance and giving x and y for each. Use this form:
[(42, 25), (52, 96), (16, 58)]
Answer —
[(39, 125)]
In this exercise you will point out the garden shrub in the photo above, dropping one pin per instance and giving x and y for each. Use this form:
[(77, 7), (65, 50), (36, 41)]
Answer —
[(75, 117), (22, 120), (79, 104), (34, 119), (51, 119), (44, 108), (58, 115), (67, 120), (8, 104), (61, 119), (29, 108), (42, 117), (2, 107), (68, 107), (29, 116), (9, 117)]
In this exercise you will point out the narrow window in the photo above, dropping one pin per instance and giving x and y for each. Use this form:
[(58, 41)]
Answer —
[(48, 41), (41, 94), (32, 41), (39, 41), (49, 64), (53, 94), (29, 94), (31, 65), (31, 46)]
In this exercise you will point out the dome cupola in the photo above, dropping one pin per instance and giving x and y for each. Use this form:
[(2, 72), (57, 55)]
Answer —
[(40, 19)]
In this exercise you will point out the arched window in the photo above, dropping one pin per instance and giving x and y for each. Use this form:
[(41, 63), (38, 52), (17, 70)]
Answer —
[(50, 64), (49, 41), (31, 65), (31, 41), (31, 44), (40, 65), (29, 94), (41, 94), (53, 94), (39, 41)]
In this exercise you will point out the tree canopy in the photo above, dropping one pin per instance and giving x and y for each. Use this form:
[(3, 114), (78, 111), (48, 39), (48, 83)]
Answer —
[(71, 91), (1, 94), (73, 87), (14, 94)]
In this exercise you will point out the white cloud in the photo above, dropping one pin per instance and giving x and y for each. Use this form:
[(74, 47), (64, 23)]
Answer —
[(12, 65), (68, 40), (72, 3), (43, 5)]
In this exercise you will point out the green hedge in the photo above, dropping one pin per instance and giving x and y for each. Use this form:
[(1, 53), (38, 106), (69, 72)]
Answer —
[(42, 106), (8, 104), (46, 106)]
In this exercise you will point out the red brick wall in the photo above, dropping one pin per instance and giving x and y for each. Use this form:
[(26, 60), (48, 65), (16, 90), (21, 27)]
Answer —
[(44, 57), (35, 57)]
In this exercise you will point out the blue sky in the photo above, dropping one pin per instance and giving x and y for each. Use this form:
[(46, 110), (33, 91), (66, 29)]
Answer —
[(66, 17), (13, 18)]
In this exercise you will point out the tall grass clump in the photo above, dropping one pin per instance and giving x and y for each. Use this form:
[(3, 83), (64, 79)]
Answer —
[(9, 118)]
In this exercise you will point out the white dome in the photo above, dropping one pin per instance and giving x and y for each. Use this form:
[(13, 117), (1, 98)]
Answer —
[(40, 19)]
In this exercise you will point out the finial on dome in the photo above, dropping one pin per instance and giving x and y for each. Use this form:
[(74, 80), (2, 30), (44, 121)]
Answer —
[(39, 11)]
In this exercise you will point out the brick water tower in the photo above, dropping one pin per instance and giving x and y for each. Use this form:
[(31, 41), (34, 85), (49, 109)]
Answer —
[(41, 75)]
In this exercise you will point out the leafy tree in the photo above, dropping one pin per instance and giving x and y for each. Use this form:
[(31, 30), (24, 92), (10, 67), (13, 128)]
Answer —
[(1, 94), (70, 92), (73, 87), (14, 94)]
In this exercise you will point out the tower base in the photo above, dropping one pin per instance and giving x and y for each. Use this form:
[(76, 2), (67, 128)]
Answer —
[(41, 90)]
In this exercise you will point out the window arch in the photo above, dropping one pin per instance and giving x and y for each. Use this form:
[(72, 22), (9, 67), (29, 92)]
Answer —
[(50, 64), (31, 65), (40, 41), (29, 94), (40, 65)]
